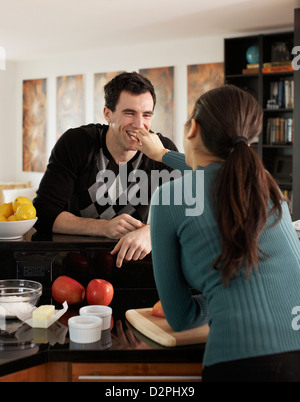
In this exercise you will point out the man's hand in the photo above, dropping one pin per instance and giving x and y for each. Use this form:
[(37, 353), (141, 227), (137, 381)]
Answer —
[(117, 227), (133, 246)]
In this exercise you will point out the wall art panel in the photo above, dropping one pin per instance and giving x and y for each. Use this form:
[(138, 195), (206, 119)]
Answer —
[(69, 103), (201, 78), (100, 80), (162, 79), (34, 125)]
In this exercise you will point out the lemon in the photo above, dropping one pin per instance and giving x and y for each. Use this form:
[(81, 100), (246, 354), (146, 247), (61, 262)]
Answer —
[(6, 209), (25, 212), (20, 201), (12, 218), (2, 218)]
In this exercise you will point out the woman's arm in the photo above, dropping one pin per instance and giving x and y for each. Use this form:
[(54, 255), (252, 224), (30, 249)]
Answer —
[(151, 145), (181, 308)]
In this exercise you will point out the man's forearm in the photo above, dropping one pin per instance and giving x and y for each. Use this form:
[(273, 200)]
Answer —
[(68, 223), (114, 228)]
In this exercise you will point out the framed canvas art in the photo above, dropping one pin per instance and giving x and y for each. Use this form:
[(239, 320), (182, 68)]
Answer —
[(69, 103), (100, 79), (34, 125), (162, 79), (201, 78)]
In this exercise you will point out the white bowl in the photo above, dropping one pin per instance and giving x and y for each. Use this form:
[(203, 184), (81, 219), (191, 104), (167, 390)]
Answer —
[(85, 329), (15, 229), (103, 312)]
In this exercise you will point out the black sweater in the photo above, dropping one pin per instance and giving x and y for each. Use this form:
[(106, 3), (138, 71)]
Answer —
[(72, 180)]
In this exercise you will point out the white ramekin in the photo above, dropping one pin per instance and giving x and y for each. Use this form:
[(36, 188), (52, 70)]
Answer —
[(85, 329), (103, 312)]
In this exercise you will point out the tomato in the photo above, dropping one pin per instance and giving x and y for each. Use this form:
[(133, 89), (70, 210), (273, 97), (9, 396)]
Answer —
[(67, 289), (99, 292), (157, 310)]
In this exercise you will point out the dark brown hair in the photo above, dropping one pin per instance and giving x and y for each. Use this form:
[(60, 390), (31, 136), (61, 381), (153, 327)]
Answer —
[(229, 119), (133, 83)]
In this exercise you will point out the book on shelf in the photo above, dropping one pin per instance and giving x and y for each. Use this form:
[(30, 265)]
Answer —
[(280, 130), (252, 66), (277, 64), (277, 67), (251, 69), (269, 67), (281, 95), (288, 195)]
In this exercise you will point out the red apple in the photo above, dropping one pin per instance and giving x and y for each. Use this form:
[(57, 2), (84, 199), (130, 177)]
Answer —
[(157, 310), (67, 289), (100, 292)]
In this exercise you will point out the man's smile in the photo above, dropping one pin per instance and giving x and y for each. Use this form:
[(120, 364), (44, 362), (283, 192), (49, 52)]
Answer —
[(132, 135)]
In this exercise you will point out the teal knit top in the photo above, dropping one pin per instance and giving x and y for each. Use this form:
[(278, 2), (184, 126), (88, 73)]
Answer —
[(250, 317)]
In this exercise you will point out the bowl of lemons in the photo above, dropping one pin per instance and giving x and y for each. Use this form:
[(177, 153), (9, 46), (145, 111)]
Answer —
[(16, 218)]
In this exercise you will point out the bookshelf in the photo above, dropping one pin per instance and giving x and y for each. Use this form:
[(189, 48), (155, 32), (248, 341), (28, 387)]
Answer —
[(268, 75), (296, 145)]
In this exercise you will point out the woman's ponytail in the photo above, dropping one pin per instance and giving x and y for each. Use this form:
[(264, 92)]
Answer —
[(242, 194), (230, 119)]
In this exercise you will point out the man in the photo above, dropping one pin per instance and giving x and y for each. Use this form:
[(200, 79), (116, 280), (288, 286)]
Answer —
[(83, 190)]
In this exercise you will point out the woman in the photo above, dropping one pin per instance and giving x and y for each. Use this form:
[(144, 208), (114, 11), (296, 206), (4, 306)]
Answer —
[(240, 251)]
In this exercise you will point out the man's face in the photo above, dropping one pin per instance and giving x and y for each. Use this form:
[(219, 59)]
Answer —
[(132, 113)]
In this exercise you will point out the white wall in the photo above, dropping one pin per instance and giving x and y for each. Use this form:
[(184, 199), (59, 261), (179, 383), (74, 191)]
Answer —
[(179, 54), (8, 135)]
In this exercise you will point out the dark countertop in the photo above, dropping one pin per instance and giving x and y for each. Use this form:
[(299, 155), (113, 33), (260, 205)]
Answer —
[(26, 347), (33, 240), (43, 258)]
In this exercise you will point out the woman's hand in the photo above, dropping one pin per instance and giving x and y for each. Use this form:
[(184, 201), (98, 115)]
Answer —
[(150, 145)]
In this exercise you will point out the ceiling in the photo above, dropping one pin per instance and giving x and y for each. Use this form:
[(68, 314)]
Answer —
[(31, 29)]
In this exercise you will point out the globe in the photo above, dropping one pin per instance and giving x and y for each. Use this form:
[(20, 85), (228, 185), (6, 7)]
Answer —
[(252, 54)]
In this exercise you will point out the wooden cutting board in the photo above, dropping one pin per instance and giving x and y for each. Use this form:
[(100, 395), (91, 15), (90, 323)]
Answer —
[(158, 329)]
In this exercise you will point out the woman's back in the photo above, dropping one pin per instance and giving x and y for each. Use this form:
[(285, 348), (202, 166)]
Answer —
[(239, 250), (249, 317)]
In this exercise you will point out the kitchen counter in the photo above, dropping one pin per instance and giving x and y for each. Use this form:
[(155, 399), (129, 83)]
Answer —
[(34, 240), (43, 258), (22, 347)]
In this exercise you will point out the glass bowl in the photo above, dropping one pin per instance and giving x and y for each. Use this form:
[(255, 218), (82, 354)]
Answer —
[(18, 296)]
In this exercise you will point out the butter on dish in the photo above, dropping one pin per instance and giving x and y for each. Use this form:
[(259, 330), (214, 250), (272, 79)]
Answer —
[(41, 315), (43, 318)]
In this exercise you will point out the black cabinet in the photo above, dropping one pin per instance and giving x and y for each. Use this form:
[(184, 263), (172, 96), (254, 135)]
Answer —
[(296, 145), (262, 65)]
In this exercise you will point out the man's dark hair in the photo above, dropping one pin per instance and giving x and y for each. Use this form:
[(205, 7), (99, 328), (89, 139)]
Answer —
[(133, 83)]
